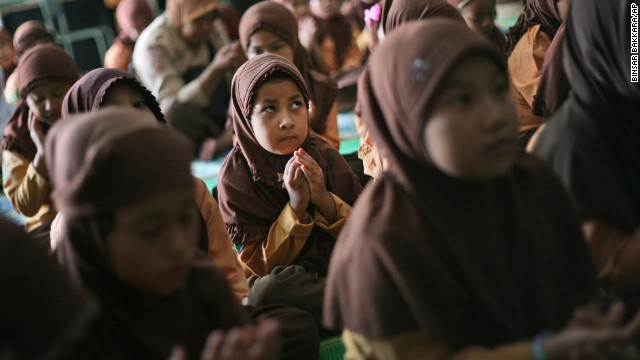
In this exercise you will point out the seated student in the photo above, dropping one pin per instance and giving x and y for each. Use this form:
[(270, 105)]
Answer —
[(394, 14), (105, 87), (46, 73), (133, 17), (268, 27), (461, 249), (130, 238), (41, 310), (329, 38), (27, 35), (591, 141), (480, 16), (527, 44), (358, 12), (185, 59), (284, 193)]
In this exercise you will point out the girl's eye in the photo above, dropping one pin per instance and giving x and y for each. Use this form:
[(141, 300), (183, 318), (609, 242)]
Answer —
[(461, 100), (296, 105), (139, 105), (269, 109), (150, 231)]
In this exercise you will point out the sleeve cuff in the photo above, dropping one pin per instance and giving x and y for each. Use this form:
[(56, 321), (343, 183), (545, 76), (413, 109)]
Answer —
[(342, 211), (290, 223)]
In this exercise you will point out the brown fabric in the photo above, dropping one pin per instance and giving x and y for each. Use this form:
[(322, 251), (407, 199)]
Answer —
[(353, 10), (105, 160), (231, 20), (339, 30), (38, 64), (554, 87), (184, 11), (80, 190), (278, 20), (28, 35), (591, 141), (477, 263), (251, 191), (132, 15), (87, 94), (398, 12), (39, 305), (543, 12), (5, 36)]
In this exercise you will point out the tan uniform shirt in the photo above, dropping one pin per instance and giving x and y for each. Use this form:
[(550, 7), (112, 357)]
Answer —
[(161, 57), (525, 69), (287, 236), (27, 190)]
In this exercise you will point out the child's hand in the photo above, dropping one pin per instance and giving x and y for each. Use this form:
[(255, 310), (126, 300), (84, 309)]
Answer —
[(37, 135), (320, 197), (229, 56), (297, 187), (307, 32), (314, 174)]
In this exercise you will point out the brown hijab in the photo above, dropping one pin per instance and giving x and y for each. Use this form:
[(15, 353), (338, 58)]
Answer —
[(87, 94), (554, 87), (39, 64), (40, 307), (132, 15), (278, 20), (543, 12), (591, 141), (184, 11), (30, 34), (338, 28), (470, 262), (250, 189), (398, 12), (103, 161)]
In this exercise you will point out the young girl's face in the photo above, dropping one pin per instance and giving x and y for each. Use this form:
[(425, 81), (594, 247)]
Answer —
[(473, 128), (279, 117), (299, 8), (45, 100), (480, 16), (324, 9), (196, 31), (154, 241), (122, 94), (266, 42)]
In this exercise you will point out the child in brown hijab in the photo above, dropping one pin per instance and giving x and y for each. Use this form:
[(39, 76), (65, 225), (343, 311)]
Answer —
[(46, 73), (133, 16), (284, 192), (107, 87), (130, 237), (480, 16), (27, 35), (527, 44), (394, 14), (591, 140), (329, 38), (464, 248), (268, 27)]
